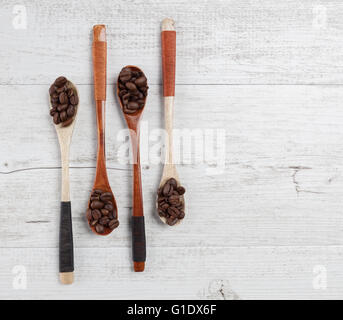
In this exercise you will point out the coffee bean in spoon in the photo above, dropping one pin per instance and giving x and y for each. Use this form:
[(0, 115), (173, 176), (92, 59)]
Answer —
[(101, 213), (133, 89), (64, 101), (170, 201)]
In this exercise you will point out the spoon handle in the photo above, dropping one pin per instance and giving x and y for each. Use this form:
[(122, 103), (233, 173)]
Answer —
[(168, 41), (66, 250), (99, 52), (138, 226)]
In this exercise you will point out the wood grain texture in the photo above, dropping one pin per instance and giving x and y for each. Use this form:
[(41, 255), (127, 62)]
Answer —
[(168, 44), (219, 41), (227, 273), (99, 53), (267, 73)]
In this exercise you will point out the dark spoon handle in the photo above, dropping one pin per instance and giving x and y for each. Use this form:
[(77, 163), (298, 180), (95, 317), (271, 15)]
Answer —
[(66, 239), (138, 240)]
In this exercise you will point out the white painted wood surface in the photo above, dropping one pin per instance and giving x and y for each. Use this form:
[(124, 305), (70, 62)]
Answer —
[(268, 73)]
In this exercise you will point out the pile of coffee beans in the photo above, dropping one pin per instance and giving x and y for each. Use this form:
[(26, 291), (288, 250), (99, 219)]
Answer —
[(101, 213), (64, 101), (133, 89), (170, 204)]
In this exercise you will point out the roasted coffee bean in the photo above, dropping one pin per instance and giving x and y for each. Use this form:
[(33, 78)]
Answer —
[(170, 204), (133, 88), (133, 105), (181, 190), (164, 206), (167, 189), (96, 204), (171, 221), (99, 228), (62, 107), (53, 111), (60, 82), (74, 100), (63, 98), (52, 89), (67, 122), (161, 213), (173, 182), (102, 211), (174, 199), (109, 207), (125, 75), (70, 92), (70, 111), (89, 214), (129, 111), (113, 224), (161, 199), (57, 119), (104, 220), (105, 212), (96, 214), (93, 223), (141, 81), (173, 211), (63, 116), (122, 93), (61, 92), (106, 196), (130, 86)]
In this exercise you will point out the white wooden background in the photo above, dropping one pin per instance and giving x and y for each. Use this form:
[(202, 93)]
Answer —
[(268, 72)]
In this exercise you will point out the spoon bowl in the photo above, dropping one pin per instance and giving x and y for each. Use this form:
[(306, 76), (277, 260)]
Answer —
[(63, 130), (131, 118), (101, 185), (169, 171)]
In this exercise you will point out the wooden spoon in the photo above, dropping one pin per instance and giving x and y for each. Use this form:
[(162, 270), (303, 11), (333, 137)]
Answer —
[(168, 40), (138, 228), (99, 70), (66, 251)]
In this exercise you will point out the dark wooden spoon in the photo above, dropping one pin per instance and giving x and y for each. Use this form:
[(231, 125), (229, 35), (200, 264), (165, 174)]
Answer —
[(138, 228), (99, 69)]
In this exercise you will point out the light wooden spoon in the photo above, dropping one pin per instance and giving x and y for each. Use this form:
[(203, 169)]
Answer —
[(66, 251), (168, 40)]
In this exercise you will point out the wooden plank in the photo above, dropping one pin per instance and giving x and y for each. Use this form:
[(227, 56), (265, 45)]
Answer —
[(232, 42), (177, 273), (282, 183), (265, 126)]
